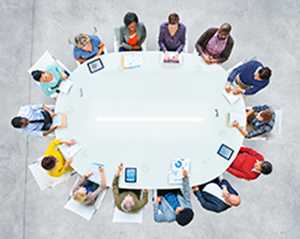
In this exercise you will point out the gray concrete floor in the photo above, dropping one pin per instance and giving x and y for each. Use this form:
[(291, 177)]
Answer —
[(263, 28)]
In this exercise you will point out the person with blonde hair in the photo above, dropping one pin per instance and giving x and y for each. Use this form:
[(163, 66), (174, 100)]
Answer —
[(86, 191), (86, 47)]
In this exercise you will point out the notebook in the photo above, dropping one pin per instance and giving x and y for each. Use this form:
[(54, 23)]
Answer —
[(233, 116), (65, 86), (131, 61), (69, 151)]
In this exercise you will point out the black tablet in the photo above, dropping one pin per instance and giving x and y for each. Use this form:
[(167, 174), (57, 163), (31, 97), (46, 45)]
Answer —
[(95, 65), (130, 175), (225, 151)]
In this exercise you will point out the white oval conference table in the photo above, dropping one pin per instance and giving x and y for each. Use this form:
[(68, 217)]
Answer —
[(148, 116)]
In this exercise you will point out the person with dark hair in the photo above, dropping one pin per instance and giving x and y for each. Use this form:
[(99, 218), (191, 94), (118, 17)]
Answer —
[(217, 195), (128, 200), (87, 47), (172, 36), (249, 164), (35, 120), (260, 121), (53, 160), (50, 79), (248, 78), (132, 34), (174, 205), (215, 45)]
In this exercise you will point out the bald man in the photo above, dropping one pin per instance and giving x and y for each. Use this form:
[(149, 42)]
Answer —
[(215, 45)]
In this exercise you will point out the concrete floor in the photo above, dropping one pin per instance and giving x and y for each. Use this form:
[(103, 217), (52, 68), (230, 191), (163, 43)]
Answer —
[(263, 28)]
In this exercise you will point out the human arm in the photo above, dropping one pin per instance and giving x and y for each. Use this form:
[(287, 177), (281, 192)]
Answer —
[(209, 202), (161, 44), (186, 190), (143, 34), (230, 189), (182, 40), (243, 131), (255, 88), (236, 172), (234, 73), (203, 40)]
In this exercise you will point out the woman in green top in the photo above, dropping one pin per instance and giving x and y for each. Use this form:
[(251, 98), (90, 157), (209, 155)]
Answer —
[(50, 79)]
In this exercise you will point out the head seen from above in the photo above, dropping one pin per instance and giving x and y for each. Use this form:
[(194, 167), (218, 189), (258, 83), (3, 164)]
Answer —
[(131, 20), (80, 195), (173, 23), (184, 216), (41, 76), (127, 203), (224, 31), (83, 42), (48, 163), (264, 167), (263, 74), (19, 122), (265, 116)]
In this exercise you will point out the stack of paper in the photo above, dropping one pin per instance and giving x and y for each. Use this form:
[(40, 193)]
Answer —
[(131, 60), (175, 173)]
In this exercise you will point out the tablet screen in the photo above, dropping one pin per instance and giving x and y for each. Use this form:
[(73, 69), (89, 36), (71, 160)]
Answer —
[(130, 175), (95, 65), (225, 151)]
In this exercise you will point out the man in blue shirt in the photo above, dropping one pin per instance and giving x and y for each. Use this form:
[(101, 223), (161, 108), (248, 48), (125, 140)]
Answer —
[(35, 120), (248, 78), (87, 47), (175, 206)]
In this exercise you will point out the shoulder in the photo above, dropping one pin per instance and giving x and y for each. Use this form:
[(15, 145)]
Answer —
[(94, 38), (182, 27), (141, 25), (164, 26)]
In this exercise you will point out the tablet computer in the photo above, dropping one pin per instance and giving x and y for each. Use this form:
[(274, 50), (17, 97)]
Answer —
[(130, 175), (95, 65), (225, 151)]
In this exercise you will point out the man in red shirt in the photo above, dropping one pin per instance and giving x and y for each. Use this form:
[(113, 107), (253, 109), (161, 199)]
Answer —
[(249, 164)]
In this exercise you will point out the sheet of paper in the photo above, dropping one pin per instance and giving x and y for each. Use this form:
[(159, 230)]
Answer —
[(175, 173), (122, 217), (69, 151), (65, 86), (231, 98), (233, 116), (131, 61)]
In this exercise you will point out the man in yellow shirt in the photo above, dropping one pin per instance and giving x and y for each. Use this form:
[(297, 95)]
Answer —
[(53, 160)]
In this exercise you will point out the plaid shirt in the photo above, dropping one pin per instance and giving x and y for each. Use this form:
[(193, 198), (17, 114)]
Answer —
[(260, 127)]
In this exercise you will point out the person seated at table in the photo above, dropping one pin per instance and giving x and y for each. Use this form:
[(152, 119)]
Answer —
[(128, 200), (248, 78), (53, 160), (38, 120), (172, 36), (87, 47), (133, 34), (50, 79), (217, 195), (174, 205), (249, 164), (86, 191), (260, 121), (215, 45)]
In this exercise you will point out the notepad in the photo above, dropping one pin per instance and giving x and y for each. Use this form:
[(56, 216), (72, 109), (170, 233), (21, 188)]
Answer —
[(69, 151), (233, 116), (175, 173), (131, 61), (231, 98), (65, 86)]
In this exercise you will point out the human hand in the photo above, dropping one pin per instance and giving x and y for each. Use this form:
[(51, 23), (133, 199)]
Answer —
[(158, 199), (101, 169), (70, 142), (228, 88), (88, 174), (236, 91), (235, 124), (184, 173), (136, 47), (119, 169), (195, 188), (166, 57), (146, 190)]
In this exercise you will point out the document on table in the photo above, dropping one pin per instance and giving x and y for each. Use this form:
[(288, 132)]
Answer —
[(175, 173), (94, 168), (65, 86), (233, 116), (231, 98), (69, 151), (170, 60), (131, 60)]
